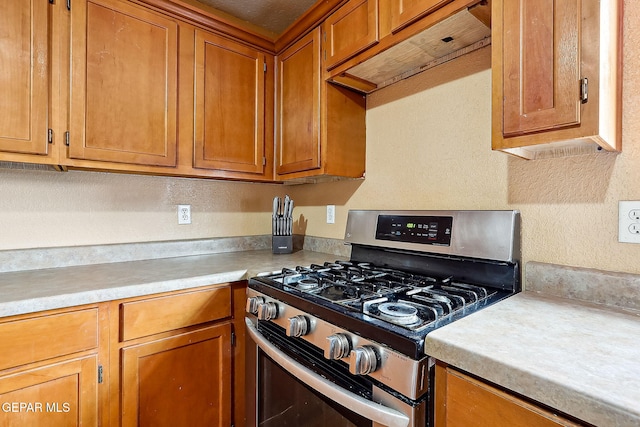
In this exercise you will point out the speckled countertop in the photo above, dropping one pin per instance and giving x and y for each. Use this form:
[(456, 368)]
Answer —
[(564, 342), (570, 341), (43, 289)]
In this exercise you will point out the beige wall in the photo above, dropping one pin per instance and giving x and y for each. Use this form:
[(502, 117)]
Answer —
[(45, 209), (428, 147)]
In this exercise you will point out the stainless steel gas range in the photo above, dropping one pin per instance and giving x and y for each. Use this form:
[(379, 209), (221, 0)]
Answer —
[(342, 343)]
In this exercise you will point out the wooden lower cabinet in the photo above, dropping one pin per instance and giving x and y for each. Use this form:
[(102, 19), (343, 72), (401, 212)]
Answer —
[(165, 359), (462, 401), (60, 394), (182, 380), (173, 358), (49, 367)]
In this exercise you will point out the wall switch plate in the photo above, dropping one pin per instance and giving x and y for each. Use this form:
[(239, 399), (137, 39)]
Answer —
[(331, 214), (629, 221), (184, 214)]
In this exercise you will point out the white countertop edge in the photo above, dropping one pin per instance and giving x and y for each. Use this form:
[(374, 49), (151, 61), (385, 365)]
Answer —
[(92, 296)]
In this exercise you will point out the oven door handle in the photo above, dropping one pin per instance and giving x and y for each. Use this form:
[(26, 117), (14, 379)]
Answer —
[(371, 410)]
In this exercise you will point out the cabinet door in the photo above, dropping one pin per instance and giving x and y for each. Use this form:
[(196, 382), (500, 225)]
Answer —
[(298, 104), (404, 12), (229, 107), (183, 380), (541, 65), (58, 395), (123, 84), (351, 29), (24, 76)]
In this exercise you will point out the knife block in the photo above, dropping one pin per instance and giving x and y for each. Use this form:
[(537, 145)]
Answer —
[(282, 244)]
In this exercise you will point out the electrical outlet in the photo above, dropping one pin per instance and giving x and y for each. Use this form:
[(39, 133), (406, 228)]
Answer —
[(629, 221), (331, 214), (184, 214)]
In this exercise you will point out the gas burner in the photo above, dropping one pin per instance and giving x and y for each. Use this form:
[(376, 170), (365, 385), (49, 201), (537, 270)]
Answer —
[(334, 265), (307, 284), (339, 292), (399, 312)]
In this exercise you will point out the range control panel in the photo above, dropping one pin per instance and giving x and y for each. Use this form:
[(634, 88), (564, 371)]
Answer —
[(430, 230)]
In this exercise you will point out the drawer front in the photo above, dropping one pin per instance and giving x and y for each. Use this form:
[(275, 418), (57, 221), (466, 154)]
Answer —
[(44, 337), (161, 314)]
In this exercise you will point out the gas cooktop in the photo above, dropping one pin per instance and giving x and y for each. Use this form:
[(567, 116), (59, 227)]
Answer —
[(411, 301), (410, 272)]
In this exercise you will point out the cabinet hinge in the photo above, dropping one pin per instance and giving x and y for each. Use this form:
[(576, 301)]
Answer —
[(264, 66), (264, 161), (100, 378), (50, 136), (584, 90), (233, 339), (66, 138)]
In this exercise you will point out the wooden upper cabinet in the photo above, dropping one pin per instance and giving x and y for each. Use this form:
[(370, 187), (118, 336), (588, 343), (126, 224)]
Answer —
[(229, 105), (298, 106), (404, 12), (350, 30), (556, 77), (24, 76), (541, 65), (124, 82)]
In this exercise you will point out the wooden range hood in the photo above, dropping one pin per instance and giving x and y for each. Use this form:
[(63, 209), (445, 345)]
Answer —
[(467, 30)]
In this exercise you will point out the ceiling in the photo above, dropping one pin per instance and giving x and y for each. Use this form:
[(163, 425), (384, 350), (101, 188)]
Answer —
[(272, 15)]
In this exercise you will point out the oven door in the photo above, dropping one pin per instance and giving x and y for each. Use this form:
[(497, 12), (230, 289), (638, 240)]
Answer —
[(288, 385)]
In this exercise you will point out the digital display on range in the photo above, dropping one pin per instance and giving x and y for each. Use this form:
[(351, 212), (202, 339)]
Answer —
[(431, 230)]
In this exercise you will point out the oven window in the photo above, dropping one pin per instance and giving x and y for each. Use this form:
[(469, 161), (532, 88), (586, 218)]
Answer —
[(284, 401)]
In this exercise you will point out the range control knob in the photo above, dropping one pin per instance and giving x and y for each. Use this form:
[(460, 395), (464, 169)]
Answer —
[(338, 346), (252, 304), (298, 326), (267, 311), (363, 360)]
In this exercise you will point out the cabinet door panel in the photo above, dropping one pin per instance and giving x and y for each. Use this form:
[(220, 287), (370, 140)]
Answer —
[(351, 29), (230, 100), (541, 65), (183, 380), (299, 106), (404, 12), (124, 84), (24, 76), (465, 401), (64, 394)]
